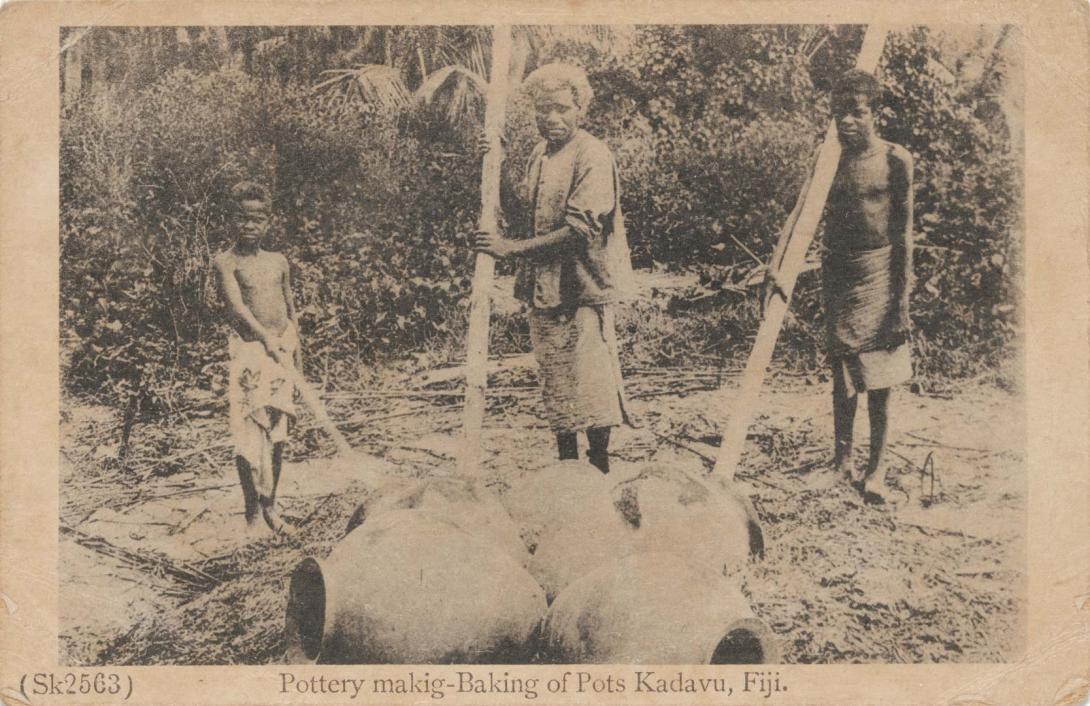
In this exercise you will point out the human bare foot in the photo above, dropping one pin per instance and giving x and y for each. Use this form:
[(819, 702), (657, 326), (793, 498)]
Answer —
[(845, 470), (254, 529), (277, 523), (870, 497)]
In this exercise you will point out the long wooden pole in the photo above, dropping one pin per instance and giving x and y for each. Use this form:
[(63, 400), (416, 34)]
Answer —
[(365, 470), (484, 265), (742, 405), (310, 397)]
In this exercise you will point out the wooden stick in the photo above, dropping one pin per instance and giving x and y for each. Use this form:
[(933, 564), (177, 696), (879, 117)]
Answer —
[(314, 403), (484, 265), (186, 454), (175, 529), (743, 404), (742, 245), (153, 562)]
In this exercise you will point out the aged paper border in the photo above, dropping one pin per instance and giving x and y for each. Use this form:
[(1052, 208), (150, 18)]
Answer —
[(1057, 109)]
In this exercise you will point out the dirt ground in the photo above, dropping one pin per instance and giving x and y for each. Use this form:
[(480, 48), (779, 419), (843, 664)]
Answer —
[(156, 568)]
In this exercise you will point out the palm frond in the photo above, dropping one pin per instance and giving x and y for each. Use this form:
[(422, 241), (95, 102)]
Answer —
[(453, 45), (613, 39), (453, 74), (476, 57), (462, 54), (812, 38), (460, 88), (372, 83)]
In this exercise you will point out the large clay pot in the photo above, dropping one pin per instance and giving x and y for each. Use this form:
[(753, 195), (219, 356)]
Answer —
[(465, 502), (546, 500), (411, 588), (580, 546), (655, 608), (660, 509), (696, 515)]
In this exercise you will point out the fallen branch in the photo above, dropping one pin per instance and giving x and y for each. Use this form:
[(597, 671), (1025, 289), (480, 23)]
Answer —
[(930, 531), (941, 445), (184, 454), (153, 563), (457, 372), (179, 529), (671, 391), (184, 491), (418, 394), (314, 510), (708, 460)]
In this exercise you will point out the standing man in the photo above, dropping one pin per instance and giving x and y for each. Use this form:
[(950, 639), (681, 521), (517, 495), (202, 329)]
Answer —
[(264, 341), (574, 264), (866, 274)]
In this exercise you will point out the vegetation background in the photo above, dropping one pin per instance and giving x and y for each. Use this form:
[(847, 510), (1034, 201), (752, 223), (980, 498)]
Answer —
[(366, 136)]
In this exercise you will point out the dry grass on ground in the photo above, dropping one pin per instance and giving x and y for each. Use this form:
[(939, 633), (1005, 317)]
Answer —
[(155, 568)]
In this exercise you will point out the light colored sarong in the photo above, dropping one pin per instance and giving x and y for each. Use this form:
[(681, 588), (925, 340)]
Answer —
[(580, 368), (260, 397), (867, 326), (873, 370)]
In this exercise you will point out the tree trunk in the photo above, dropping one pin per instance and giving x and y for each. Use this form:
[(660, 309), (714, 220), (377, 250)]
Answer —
[(423, 66), (86, 77), (64, 68), (743, 403), (484, 266), (249, 40)]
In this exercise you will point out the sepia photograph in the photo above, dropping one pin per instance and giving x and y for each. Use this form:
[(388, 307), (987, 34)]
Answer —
[(541, 344)]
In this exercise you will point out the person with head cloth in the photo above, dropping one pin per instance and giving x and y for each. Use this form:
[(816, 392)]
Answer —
[(574, 264)]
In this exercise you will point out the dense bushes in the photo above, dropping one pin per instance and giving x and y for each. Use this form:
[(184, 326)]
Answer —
[(730, 119), (968, 206), (370, 219), (374, 217), (713, 129), (137, 288)]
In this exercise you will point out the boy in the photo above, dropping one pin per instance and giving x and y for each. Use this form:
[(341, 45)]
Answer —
[(256, 287), (866, 274), (575, 265)]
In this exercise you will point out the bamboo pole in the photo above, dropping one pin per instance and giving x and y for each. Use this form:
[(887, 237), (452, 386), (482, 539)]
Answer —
[(314, 403), (484, 265), (801, 233)]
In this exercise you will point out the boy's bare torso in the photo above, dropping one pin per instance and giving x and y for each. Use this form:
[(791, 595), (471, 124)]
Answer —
[(862, 201), (260, 277)]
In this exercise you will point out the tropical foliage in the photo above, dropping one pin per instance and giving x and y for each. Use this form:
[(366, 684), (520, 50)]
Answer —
[(367, 134)]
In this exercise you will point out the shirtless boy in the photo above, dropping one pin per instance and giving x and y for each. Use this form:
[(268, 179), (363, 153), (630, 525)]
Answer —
[(264, 340), (866, 275)]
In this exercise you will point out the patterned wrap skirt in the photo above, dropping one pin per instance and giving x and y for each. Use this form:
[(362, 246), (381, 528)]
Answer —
[(261, 401)]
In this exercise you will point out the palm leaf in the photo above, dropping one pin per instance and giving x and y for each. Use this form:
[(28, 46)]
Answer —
[(437, 79), (372, 83), (451, 47), (544, 39), (460, 88)]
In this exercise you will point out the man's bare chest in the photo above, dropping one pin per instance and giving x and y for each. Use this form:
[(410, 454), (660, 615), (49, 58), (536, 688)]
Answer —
[(257, 273), (863, 180)]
